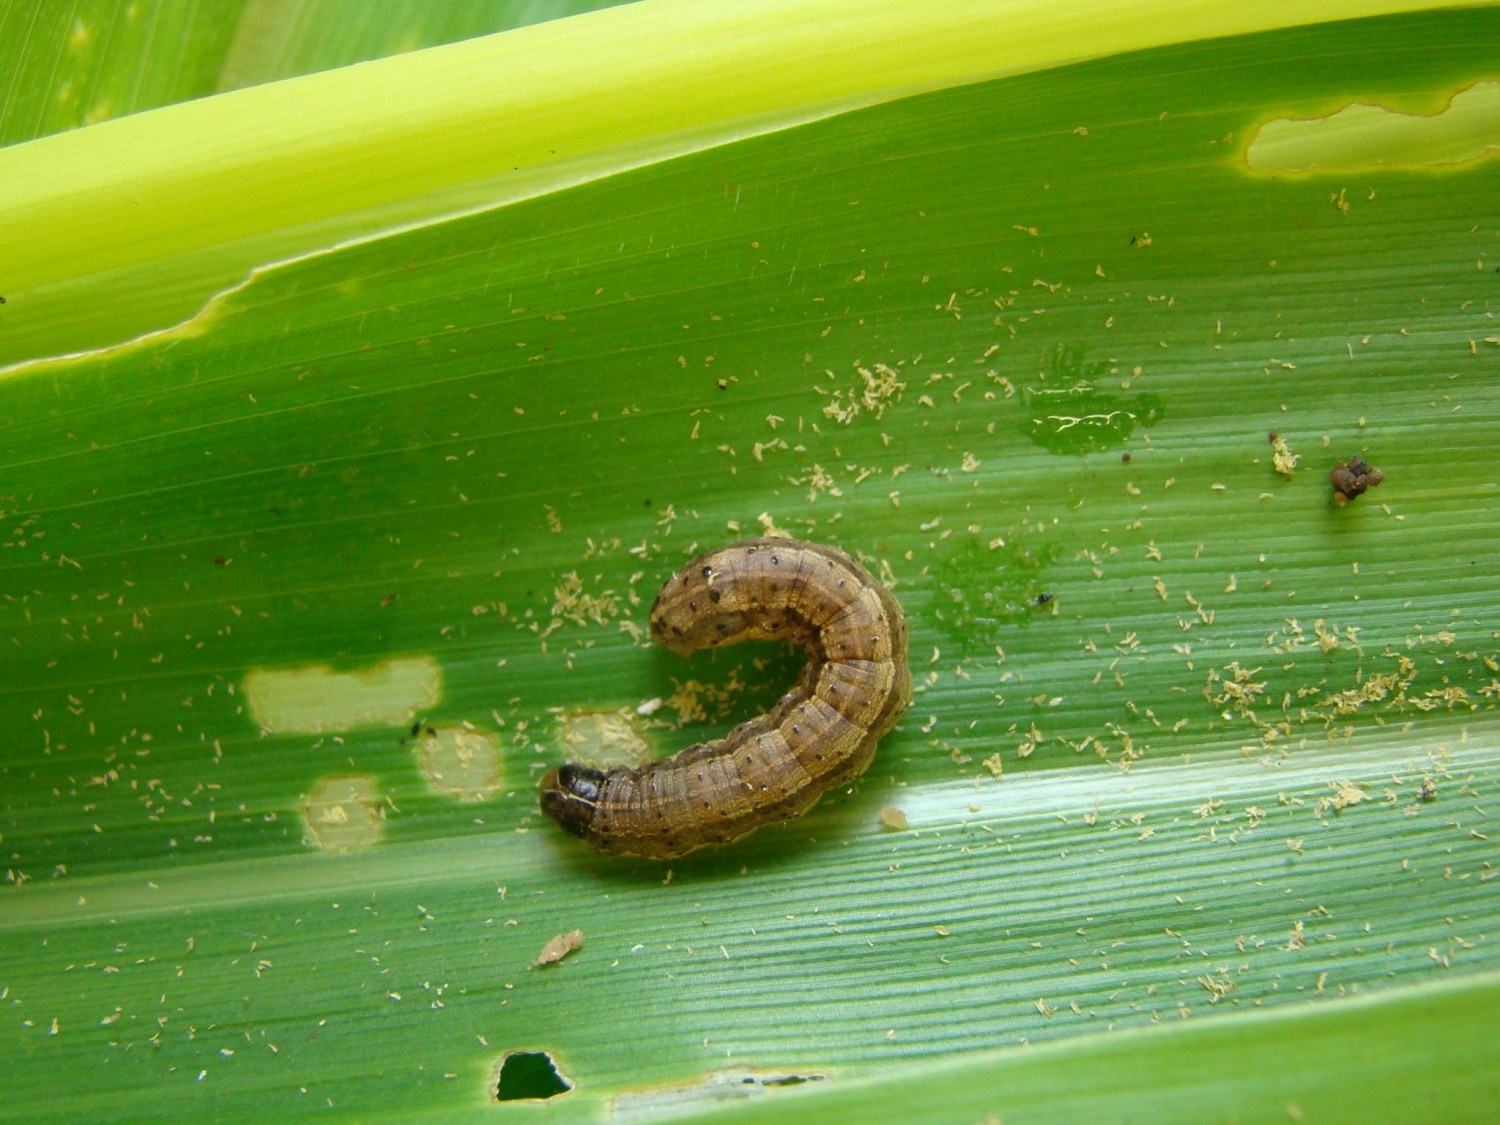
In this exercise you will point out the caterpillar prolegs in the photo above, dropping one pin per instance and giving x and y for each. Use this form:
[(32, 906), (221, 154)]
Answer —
[(821, 734)]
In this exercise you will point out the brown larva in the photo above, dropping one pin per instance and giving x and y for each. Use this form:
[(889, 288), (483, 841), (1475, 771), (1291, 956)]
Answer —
[(821, 734)]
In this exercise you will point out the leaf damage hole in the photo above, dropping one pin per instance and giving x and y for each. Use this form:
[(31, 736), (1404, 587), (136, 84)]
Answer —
[(528, 1076), (784, 1080), (459, 760), (1365, 136), (316, 699), (720, 1087), (343, 813)]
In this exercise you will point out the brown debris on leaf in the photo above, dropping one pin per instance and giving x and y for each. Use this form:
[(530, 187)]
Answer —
[(559, 947), (893, 818), (1352, 477)]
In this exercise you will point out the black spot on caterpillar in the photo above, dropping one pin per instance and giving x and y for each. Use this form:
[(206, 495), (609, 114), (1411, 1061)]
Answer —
[(821, 734)]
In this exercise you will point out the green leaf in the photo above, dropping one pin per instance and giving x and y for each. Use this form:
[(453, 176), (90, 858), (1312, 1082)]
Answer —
[(303, 584), (97, 59), (1371, 1058), (91, 60), (282, 39), (134, 226)]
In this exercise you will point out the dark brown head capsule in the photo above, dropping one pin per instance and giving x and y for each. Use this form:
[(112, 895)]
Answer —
[(570, 794)]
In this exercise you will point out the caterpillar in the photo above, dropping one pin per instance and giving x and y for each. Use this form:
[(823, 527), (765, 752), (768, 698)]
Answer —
[(822, 733)]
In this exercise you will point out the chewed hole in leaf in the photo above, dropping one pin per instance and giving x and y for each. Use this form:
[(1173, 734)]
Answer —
[(528, 1076), (1364, 137)]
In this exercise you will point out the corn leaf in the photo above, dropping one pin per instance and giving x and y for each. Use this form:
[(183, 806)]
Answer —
[(336, 480)]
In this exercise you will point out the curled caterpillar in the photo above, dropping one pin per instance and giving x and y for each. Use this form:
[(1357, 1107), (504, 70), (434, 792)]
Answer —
[(821, 734)]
